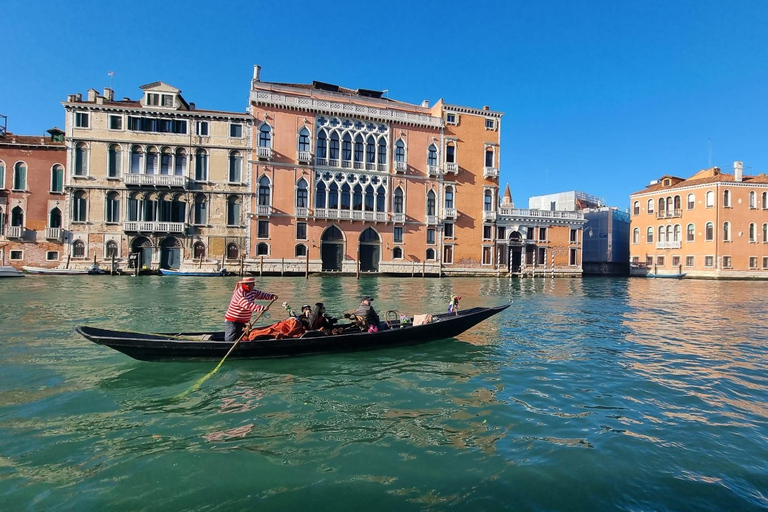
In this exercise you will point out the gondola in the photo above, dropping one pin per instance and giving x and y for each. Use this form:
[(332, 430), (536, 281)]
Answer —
[(194, 273), (211, 345)]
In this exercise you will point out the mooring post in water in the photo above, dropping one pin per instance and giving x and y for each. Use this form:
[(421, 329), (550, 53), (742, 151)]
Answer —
[(413, 268), (423, 267), (282, 266), (306, 269), (112, 271), (261, 266), (357, 265)]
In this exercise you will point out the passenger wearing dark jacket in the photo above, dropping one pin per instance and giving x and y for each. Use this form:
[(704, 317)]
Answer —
[(366, 316), (317, 319)]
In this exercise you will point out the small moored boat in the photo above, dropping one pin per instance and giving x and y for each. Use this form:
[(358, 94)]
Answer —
[(667, 276), (93, 270), (196, 273), (211, 345), (8, 271)]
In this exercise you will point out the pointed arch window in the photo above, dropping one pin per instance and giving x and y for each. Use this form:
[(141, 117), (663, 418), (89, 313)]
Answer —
[(302, 196), (304, 139), (382, 151), (346, 197), (2, 175), (333, 196), (20, 176), (113, 207), (333, 148), (381, 199), (57, 178), (359, 149), (265, 136), (357, 198), (369, 198), (431, 202), (54, 218), (432, 155), (397, 205), (370, 150), (399, 151), (322, 145), (320, 192), (346, 148), (264, 191)]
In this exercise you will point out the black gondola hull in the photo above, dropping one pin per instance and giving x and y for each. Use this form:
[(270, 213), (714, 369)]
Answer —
[(192, 346)]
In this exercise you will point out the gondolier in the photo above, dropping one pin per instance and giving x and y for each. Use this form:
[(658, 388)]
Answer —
[(242, 306)]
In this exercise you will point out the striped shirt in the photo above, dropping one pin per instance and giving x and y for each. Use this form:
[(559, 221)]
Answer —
[(241, 307)]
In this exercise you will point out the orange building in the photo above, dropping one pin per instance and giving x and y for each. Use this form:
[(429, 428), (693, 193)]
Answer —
[(352, 181), (709, 225), (32, 198)]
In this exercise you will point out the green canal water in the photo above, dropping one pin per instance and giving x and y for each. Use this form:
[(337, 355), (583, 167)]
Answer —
[(586, 394)]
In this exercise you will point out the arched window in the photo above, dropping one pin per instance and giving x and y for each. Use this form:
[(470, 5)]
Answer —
[(488, 201), (691, 201), (233, 211), (303, 139), (113, 161), (17, 217), (752, 199), (166, 161), (650, 206), (677, 203), (302, 195), (382, 151), (300, 250), (399, 151), (57, 178), (134, 206), (357, 198), (662, 234), (113, 207), (137, 159), (54, 218), (677, 232), (181, 162), (79, 200), (431, 202), (727, 198), (201, 209), (765, 232), (381, 197), (726, 231), (662, 206), (265, 136), (201, 165), (81, 159), (264, 191), (764, 201), (636, 236), (690, 233), (397, 204), (432, 155), (78, 249), (359, 151), (346, 197), (333, 148), (649, 233), (111, 249), (20, 176), (709, 199), (233, 251), (369, 198), (346, 150), (164, 208), (397, 253), (235, 167), (369, 235), (449, 197), (709, 232), (322, 145), (752, 232), (430, 254), (320, 195), (489, 157), (151, 160), (179, 208), (370, 151), (199, 250), (262, 249), (670, 208), (2, 175)]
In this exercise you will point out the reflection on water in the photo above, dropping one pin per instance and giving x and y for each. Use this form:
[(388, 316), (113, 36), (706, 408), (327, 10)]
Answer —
[(584, 394)]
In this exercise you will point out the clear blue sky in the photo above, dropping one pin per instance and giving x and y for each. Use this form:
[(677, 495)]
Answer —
[(599, 96)]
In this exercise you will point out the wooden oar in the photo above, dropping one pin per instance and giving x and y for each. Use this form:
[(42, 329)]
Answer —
[(245, 331)]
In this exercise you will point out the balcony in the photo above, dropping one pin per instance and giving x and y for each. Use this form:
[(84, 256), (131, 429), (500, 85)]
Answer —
[(669, 214), (490, 172), (401, 166), (264, 153), (263, 210), (304, 157), (15, 232), (452, 167), (433, 170), (332, 213), (302, 212), (155, 180), (431, 220), (398, 218), (155, 227), (669, 245), (489, 216), (449, 213), (53, 234)]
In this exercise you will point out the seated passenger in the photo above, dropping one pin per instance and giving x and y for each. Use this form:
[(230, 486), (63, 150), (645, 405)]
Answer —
[(318, 320), (366, 316), (306, 311)]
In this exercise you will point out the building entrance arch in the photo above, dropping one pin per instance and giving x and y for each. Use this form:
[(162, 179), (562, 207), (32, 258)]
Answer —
[(515, 259), (143, 247), (332, 249), (170, 253), (370, 250)]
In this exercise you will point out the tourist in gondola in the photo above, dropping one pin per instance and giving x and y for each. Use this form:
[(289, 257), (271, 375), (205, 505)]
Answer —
[(365, 316), (242, 306), (319, 320)]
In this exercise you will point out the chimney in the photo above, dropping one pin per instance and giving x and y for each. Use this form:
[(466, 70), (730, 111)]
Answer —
[(257, 73), (738, 170), (425, 103), (109, 94), (486, 107), (79, 96), (92, 95), (191, 105)]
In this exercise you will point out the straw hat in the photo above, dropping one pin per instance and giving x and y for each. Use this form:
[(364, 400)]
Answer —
[(247, 280)]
